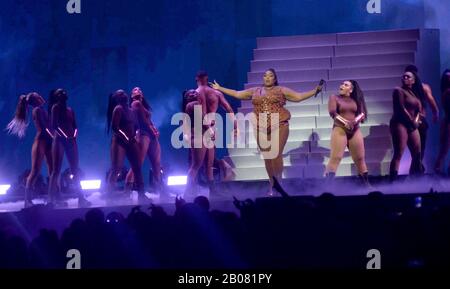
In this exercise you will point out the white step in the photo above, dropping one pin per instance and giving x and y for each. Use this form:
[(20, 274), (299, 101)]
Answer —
[(293, 75), (315, 141), (376, 48), (308, 159), (367, 72), (373, 60), (365, 84), (382, 143), (373, 155), (291, 146), (296, 41), (293, 53), (294, 135), (291, 64), (323, 145), (378, 36), (375, 169), (384, 95), (325, 133), (376, 59), (259, 173), (309, 171), (372, 107), (257, 161)]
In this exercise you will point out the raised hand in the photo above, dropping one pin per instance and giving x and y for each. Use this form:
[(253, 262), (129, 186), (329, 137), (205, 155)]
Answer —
[(215, 85), (319, 87), (179, 202)]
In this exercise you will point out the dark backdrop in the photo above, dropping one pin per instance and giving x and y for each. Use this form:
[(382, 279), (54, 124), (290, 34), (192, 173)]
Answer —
[(157, 45)]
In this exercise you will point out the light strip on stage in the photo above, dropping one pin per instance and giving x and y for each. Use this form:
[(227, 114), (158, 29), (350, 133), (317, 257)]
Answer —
[(91, 184), (4, 189), (176, 180)]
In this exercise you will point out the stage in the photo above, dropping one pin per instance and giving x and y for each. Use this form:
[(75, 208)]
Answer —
[(31, 220)]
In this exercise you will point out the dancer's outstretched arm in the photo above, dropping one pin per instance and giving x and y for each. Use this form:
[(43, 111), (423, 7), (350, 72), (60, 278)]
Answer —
[(295, 96), (242, 94), (226, 105)]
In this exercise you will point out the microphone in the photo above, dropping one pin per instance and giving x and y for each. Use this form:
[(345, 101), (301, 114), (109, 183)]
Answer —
[(321, 83)]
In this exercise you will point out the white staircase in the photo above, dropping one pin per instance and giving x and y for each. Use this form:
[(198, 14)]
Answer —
[(375, 59)]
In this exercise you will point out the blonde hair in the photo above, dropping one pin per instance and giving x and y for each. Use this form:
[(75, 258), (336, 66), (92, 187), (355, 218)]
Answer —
[(18, 125)]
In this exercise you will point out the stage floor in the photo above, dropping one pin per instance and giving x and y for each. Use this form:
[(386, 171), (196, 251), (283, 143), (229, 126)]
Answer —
[(28, 222), (343, 186)]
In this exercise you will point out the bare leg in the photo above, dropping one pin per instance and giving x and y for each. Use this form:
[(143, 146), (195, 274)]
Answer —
[(57, 158), (133, 155), (338, 144), (277, 163), (37, 156), (210, 155), (154, 154), (143, 144), (423, 132), (357, 151), (399, 140), (48, 157), (198, 156), (117, 160), (225, 169), (416, 155), (71, 148), (261, 135)]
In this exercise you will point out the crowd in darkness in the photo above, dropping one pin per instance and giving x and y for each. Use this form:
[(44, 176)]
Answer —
[(323, 232)]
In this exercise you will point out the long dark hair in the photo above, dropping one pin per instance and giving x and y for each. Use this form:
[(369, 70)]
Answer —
[(51, 100), (186, 99), (358, 96), (144, 101), (417, 88), (275, 75), (58, 96), (113, 101), (146, 104), (445, 81)]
